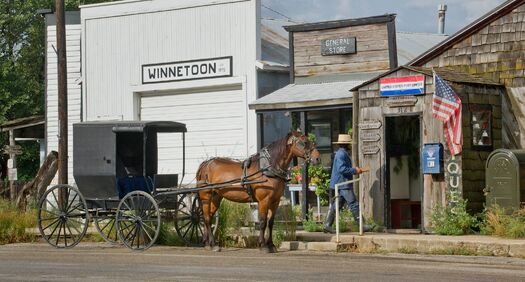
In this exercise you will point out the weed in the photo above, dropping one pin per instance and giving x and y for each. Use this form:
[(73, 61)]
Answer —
[(453, 220), (285, 225), (312, 226), (407, 250), (500, 222), (232, 216), (168, 235), (456, 250), (13, 224)]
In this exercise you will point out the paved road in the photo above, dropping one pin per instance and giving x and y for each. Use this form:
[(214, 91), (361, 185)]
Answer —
[(98, 262)]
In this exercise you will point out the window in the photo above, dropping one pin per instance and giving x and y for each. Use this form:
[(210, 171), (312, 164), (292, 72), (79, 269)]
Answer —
[(323, 134), (481, 121)]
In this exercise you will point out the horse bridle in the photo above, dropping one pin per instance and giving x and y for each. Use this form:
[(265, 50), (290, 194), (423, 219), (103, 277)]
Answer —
[(302, 146)]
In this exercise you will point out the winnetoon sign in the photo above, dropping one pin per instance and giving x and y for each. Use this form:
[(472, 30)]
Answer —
[(187, 70)]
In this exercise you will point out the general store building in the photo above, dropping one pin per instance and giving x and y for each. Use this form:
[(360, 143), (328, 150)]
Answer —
[(327, 60), (411, 167)]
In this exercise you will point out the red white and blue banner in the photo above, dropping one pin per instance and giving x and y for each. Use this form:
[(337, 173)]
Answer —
[(407, 85)]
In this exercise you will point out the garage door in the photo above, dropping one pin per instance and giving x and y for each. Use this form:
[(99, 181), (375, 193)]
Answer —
[(216, 127)]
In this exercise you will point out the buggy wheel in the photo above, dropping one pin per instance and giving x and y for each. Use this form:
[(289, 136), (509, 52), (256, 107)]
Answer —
[(189, 220), (62, 216), (138, 220), (106, 227)]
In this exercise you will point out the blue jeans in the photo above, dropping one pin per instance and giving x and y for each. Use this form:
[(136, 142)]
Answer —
[(348, 196)]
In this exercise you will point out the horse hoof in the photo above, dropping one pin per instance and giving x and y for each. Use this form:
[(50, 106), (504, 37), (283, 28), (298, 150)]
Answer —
[(216, 249), (207, 248)]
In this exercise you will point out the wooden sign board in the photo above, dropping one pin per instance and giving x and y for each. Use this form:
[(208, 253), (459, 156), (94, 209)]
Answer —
[(401, 101), (370, 124), (12, 150), (338, 46), (369, 149), (369, 136), (12, 174)]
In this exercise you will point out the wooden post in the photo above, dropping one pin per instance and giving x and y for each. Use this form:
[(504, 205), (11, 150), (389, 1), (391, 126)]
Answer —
[(304, 201), (62, 92), (12, 156)]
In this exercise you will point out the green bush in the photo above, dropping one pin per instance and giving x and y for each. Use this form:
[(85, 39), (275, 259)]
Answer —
[(285, 225), (312, 226), (13, 224), (453, 220), (168, 235), (232, 216)]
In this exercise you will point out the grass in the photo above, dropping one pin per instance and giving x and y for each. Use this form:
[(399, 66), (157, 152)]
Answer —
[(498, 221), (407, 250), (13, 224), (456, 251), (168, 235)]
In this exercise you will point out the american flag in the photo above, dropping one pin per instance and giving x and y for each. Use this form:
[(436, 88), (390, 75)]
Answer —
[(446, 107)]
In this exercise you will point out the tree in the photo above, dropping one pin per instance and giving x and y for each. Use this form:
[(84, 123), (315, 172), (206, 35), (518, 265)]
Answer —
[(22, 57)]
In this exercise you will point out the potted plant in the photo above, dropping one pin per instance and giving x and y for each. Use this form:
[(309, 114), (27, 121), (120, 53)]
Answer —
[(318, 180)]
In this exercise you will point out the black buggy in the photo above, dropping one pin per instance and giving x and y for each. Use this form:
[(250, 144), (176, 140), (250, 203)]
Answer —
[(115, 166)]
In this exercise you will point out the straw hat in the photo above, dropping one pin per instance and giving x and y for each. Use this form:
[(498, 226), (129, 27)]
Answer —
[(343, 139)]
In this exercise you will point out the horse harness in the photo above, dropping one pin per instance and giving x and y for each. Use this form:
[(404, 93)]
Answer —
[(266, 168)]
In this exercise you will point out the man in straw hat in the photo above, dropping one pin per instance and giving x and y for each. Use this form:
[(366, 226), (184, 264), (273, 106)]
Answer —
[(342, 171)]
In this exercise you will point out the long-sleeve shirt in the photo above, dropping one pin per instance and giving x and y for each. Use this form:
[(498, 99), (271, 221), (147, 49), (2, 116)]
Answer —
[(342, 169)]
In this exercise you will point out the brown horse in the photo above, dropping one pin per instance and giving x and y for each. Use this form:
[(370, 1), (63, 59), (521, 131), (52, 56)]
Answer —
[(266, 170)]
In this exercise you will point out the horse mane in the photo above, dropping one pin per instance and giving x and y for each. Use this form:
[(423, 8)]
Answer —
[(277, 149)]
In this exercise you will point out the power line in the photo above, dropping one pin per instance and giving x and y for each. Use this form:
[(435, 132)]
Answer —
[(281, 14)]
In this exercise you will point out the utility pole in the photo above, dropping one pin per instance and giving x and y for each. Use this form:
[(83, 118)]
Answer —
[(62, 91)]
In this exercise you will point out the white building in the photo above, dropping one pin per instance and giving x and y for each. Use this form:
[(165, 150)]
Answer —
[(193, 61)]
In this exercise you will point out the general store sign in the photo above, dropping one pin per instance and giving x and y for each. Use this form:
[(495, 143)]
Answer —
[(407, 85), (187, 70), (338, 46)]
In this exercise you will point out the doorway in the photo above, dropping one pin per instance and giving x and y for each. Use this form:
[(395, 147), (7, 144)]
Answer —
[(404, 180)]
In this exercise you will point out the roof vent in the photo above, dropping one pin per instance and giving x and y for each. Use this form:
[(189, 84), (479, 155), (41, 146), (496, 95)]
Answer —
[(442, 9)]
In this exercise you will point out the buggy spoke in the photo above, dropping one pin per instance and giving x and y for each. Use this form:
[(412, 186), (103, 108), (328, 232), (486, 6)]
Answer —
[(145, 225), (58, 236), (127, 226), (53, 206), (144, 231), (49, 218), (75, 208), (130, 232), (72, 201), (54, 222)]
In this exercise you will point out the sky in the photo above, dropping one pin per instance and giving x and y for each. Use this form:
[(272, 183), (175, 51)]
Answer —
[(412, 15)]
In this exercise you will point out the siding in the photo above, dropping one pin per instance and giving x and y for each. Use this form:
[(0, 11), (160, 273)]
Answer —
[(496, 52), (471, 178), (73, 90), (116, 46), (213, 128), (371, 45)]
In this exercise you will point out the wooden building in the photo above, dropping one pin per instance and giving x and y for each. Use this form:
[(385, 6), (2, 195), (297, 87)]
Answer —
[(188, 61), (327, 59), (493, 47), (397, 134)]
